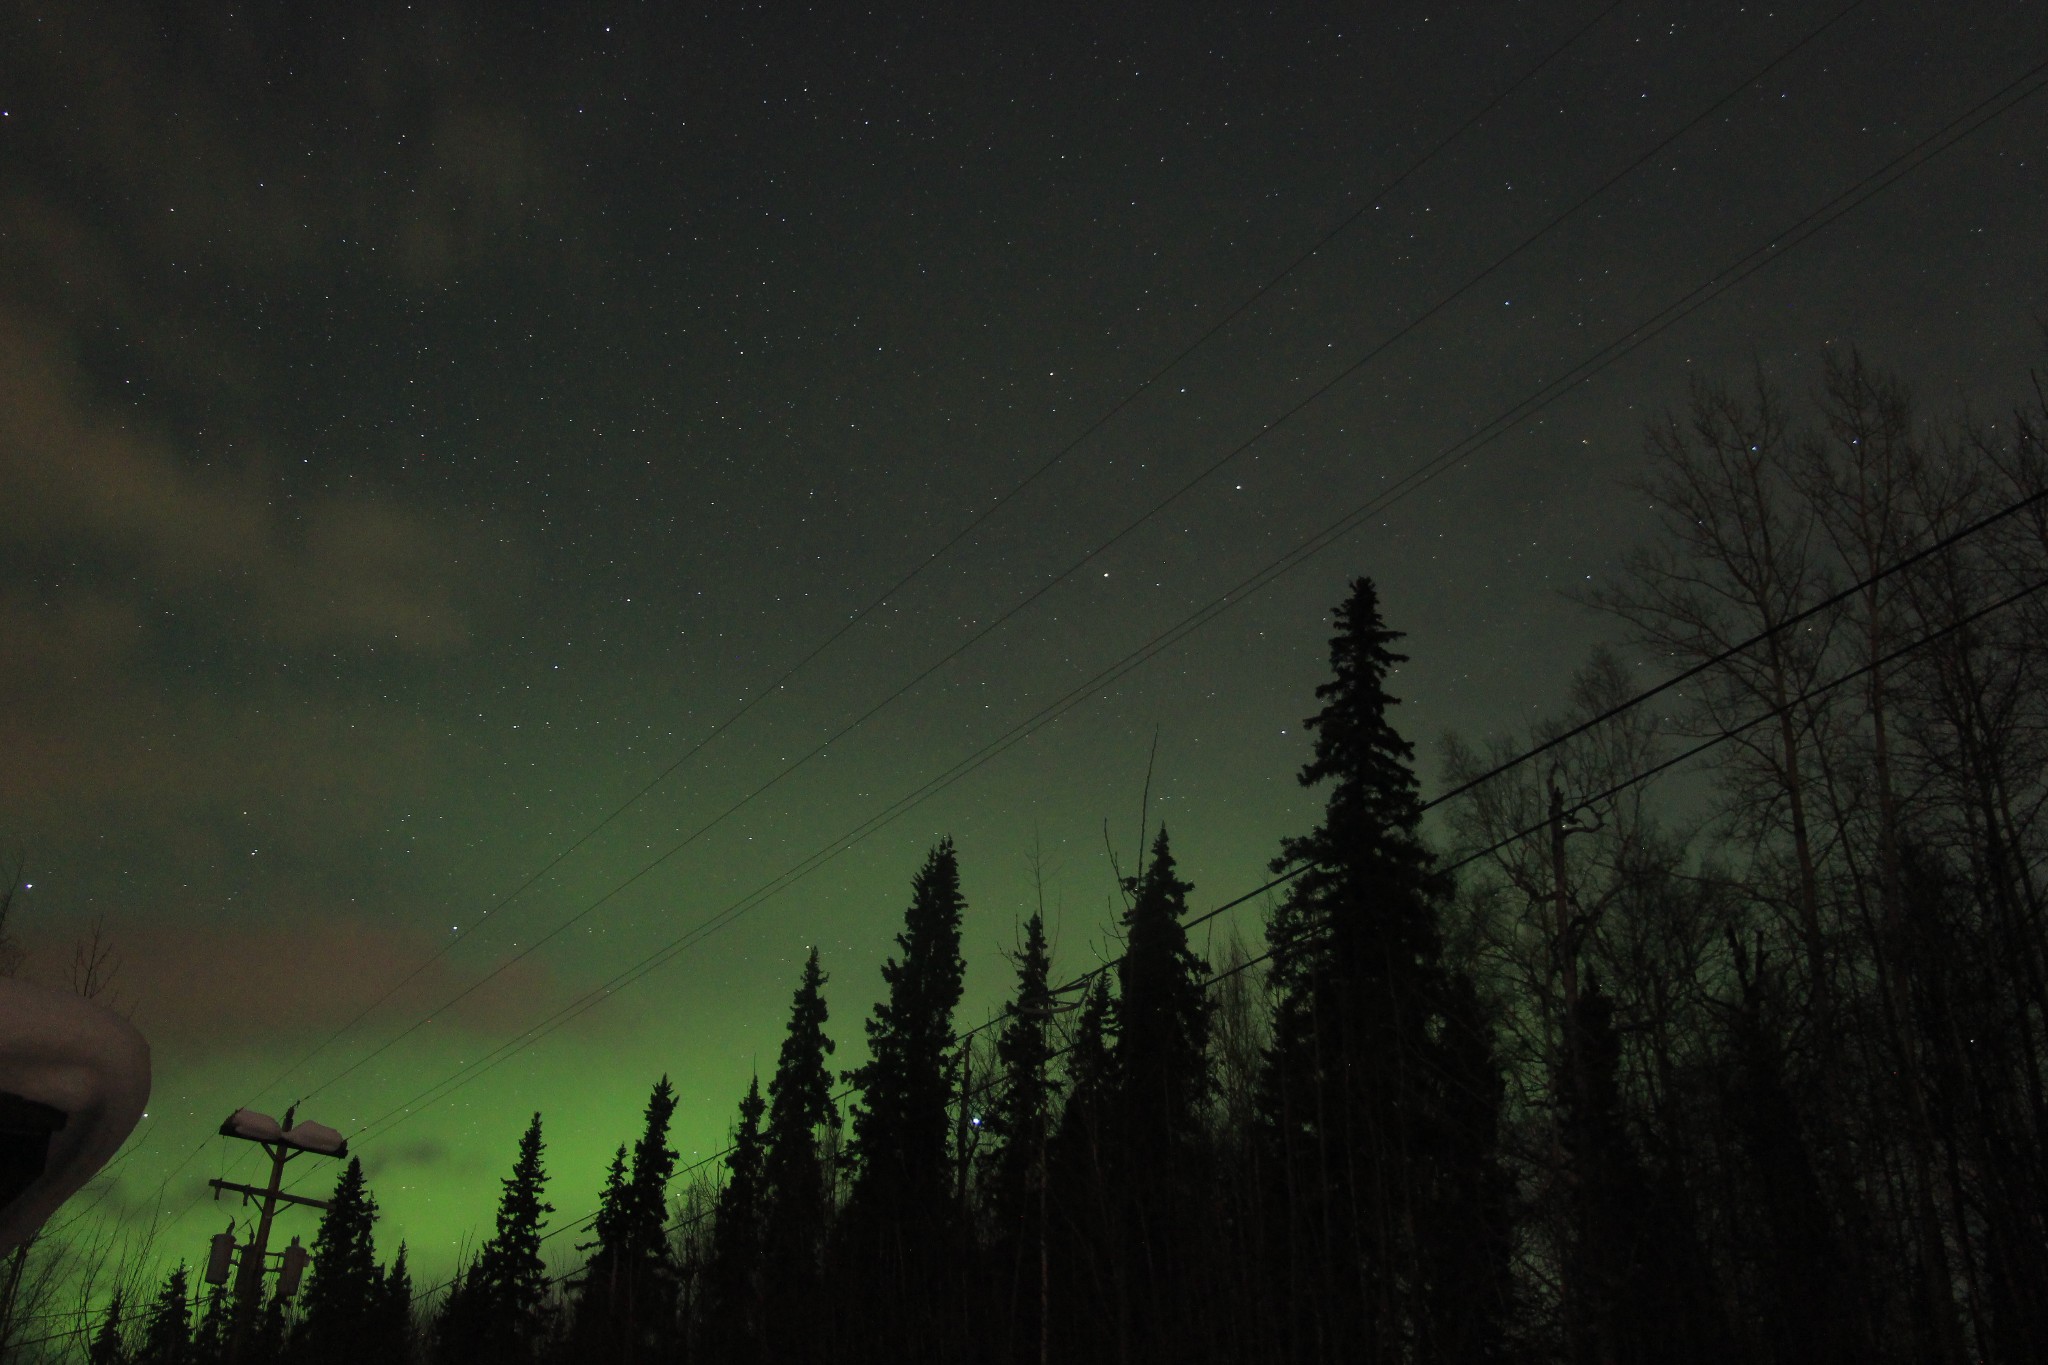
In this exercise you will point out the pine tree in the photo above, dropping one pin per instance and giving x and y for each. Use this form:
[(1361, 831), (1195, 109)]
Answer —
[(107, 1347), (900, 1264), (462, 1322), (1080, 1139), (390, 1325), (600, 1292), (803, 1123), (1020, 1118), (216, 1327), (1021, 1114), (1638, 1291), (1086, 1272), (497, 1309), (1162, 1070), (1163, 1012), (270, 1339), (900, 1127), (654, 1164), (1360, 993), (626, 1301), (342, 1286), (734, 1289), (167, 1335), (801, 1115)]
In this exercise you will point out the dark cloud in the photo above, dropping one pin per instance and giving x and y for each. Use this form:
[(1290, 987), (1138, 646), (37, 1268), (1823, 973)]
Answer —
[(290, 974), (88, 483)]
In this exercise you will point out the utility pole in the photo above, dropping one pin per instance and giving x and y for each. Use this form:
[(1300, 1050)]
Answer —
[(1562, 826), (1561, 905), (282, 1142)]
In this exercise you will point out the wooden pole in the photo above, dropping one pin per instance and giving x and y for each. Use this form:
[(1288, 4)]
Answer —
[(249, 1283)]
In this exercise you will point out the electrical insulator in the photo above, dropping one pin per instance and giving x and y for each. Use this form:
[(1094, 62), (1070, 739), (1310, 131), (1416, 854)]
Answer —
[(295, 1259), (220, 1257)]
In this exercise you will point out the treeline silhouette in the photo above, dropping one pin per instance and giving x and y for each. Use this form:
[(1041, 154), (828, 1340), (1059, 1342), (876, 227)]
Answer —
[(1754, 1072)]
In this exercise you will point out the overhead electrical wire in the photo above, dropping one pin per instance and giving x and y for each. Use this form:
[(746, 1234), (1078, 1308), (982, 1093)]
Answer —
[(979, 519), (1614, 789), (2009, 96), (1990, 108), (1002, 618), (974, 523), (1579, 803)]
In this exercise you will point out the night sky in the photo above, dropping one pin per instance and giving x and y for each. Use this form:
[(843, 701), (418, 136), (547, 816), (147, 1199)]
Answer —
[(421, 427)]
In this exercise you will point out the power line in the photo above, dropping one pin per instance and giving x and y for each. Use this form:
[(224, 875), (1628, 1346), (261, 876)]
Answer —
[(1679, 679), (427, 1097), (2000, 102), (1962, 126), (1117, 409), (974, 523), (1004, 617), (1723, 736), (1993, 106)]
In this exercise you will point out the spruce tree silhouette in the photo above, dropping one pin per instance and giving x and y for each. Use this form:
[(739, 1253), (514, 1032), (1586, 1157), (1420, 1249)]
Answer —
[(497, 1308), (167, 1334), (1359, 988), (342, 1286), (216, 1326), (1020, 1112), (1157, 1137), (390, 1329), (107, 1347), (1163, 1016), (1019, 1116), (732, 1307), (627, 1299), (901, 1223), (799, 1145)]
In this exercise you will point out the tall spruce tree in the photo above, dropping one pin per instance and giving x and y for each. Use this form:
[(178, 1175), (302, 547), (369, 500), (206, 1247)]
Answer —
[(1081, 1137), (733, 1291), (1353, 1098), (1020, 1117), (1162, 1070), (900, 1125), (107, 1347), (167, 1332), (627, 1299), (1636, 1292), (798, 1149), (1087, 1277), (600, 1289), (342, 1288), (898, 1277), (1021, 1114), (1163, 1013), (216, 1327), (801, 1117), (390, 1327), (497, 1309)]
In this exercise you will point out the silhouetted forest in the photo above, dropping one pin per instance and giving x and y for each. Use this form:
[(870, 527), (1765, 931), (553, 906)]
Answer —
[(1564, 1066)]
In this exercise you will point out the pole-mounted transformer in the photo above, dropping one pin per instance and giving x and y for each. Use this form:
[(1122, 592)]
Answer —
[(296, 1258), (220, 1257)]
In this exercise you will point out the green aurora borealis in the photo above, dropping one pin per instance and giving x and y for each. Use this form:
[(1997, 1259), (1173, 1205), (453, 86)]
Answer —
[(420, 427)]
